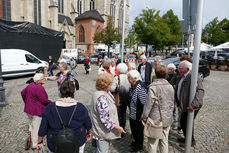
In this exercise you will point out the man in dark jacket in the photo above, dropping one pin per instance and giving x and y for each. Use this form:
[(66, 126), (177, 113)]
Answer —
[(182, 97), (145, 69)]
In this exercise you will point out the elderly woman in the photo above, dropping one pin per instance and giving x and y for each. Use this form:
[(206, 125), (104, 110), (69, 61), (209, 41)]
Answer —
[(138, 94), (160, 95), (35, 99), (105, 68), (66, 106), (105, 126), (131, 66), (122, 85), (172, 74), (113, 68), (63, 75)]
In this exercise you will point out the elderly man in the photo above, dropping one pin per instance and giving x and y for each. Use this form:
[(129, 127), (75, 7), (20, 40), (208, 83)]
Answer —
[(182, 97), (145, 70)]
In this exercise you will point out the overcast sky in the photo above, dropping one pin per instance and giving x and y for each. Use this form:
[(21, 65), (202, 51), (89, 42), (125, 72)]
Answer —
[(212, 8)]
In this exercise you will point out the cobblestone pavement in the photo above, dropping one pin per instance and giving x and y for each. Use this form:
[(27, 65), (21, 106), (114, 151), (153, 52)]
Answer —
[(211, 124)]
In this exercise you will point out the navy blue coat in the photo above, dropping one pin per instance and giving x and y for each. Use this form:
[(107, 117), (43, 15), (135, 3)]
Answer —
[(50, 123)]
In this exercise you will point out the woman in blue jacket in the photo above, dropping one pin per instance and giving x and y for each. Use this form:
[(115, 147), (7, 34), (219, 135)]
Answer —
[(51, 125)]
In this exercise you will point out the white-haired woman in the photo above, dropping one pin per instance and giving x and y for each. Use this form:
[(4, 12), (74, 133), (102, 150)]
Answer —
[(105, 68), (131, 66), (63, 75), (172, 74), (122, 85), (35, 99), (138, 92)]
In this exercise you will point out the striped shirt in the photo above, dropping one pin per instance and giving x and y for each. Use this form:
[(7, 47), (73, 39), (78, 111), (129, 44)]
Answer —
[(138, 92)]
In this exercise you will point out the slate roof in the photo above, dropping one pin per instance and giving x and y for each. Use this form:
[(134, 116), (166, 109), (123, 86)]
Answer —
[(61, 19), (92, 14)]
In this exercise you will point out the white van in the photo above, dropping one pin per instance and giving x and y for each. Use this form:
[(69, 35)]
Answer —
[(18, 62), (70, 53)]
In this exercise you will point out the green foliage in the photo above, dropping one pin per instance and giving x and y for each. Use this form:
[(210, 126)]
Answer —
[(213, 63), (130, 41), (151, 29), (175, 28), (216, 32), (108, 35), (222, 63)]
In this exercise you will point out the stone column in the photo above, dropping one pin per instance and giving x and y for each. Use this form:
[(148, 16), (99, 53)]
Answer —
[(53, 12)]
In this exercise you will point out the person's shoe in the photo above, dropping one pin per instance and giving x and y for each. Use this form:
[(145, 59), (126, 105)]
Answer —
[(192, 144), (181, 140), (136, 149)]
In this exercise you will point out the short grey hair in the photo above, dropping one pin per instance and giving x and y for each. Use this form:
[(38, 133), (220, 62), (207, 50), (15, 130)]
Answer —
[(157, 58), (132, 64), (171, 65), (106, 62), (122, 68), (64, 65), (37, 77), (187, 64), (135, 75)]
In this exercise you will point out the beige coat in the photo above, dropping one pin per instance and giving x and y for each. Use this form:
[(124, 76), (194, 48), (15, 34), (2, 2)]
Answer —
[(166, 92)]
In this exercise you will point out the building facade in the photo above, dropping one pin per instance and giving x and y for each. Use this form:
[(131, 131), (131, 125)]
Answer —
[(60, 15)]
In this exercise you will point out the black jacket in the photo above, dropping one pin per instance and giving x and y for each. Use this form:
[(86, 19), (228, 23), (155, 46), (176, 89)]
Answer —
[(148, 71)]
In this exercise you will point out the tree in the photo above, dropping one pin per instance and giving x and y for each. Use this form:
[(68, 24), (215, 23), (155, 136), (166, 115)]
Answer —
[(175, 28), (216, 32), (107, 35), (151, 29), (130, 41)]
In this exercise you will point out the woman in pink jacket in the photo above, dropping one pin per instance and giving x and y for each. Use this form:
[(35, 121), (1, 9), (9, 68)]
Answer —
[(35, 99)]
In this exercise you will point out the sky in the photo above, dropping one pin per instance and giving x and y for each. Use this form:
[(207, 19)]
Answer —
[(212, 8)]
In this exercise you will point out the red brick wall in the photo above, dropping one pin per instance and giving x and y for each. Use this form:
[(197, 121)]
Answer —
[(90, 26), (1, 10)]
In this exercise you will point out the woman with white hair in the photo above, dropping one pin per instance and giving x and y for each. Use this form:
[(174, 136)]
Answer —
[(171, 74), (122, 85), (138, 92), (131, 66), (35, 99), (105, 68)]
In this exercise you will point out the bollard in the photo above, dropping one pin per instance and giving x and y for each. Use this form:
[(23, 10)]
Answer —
[(46, 71)]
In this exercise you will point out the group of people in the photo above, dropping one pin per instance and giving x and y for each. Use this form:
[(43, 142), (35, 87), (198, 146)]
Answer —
[(118, 87)]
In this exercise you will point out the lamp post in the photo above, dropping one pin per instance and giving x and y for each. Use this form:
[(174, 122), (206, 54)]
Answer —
[(2, 89), (123, 28)]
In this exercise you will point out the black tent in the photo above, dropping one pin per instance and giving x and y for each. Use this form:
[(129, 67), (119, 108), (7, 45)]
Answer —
[(36, 39)]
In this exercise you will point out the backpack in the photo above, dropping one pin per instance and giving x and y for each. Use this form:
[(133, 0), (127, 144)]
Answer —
[(66, 140)]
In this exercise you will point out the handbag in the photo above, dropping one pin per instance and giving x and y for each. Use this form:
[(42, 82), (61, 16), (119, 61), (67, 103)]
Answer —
[(153, 129)]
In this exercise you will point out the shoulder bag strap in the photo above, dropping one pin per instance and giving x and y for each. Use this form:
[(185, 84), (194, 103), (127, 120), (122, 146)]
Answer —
[(159, 99), (73, 112), (61, 121)]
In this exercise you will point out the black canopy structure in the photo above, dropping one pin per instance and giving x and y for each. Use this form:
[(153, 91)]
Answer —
[(38, 40)]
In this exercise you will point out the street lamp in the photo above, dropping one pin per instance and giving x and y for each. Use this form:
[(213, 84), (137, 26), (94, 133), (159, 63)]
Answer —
[(2, 89)]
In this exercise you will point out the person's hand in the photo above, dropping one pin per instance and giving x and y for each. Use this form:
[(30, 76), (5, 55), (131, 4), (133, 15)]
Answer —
[(88, 137), (190, 108), (119, 129), (143, 122), (40, 145)]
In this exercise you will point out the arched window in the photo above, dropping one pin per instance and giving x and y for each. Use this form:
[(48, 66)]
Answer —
[(92, 4), (81, 34), (79, 6), (112, 11), (98, 29)]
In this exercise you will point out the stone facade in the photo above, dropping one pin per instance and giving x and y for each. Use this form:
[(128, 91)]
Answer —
[(46, 13)]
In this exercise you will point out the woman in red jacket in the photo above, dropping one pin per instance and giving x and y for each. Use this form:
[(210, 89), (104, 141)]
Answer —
[(35, 99), (87, 65)]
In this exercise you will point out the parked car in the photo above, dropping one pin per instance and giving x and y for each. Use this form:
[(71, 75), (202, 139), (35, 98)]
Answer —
[(66, 58), (203, 69), (94, 58), (18, 62), (178, 52), (81, 59)]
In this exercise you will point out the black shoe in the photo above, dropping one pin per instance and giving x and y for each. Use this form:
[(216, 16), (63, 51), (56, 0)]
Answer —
[(192, 144), (136, 149), (181, 140)]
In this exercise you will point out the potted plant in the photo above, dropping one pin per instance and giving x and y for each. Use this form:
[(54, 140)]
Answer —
[(223, 65), (207, 63), (213, 65)]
